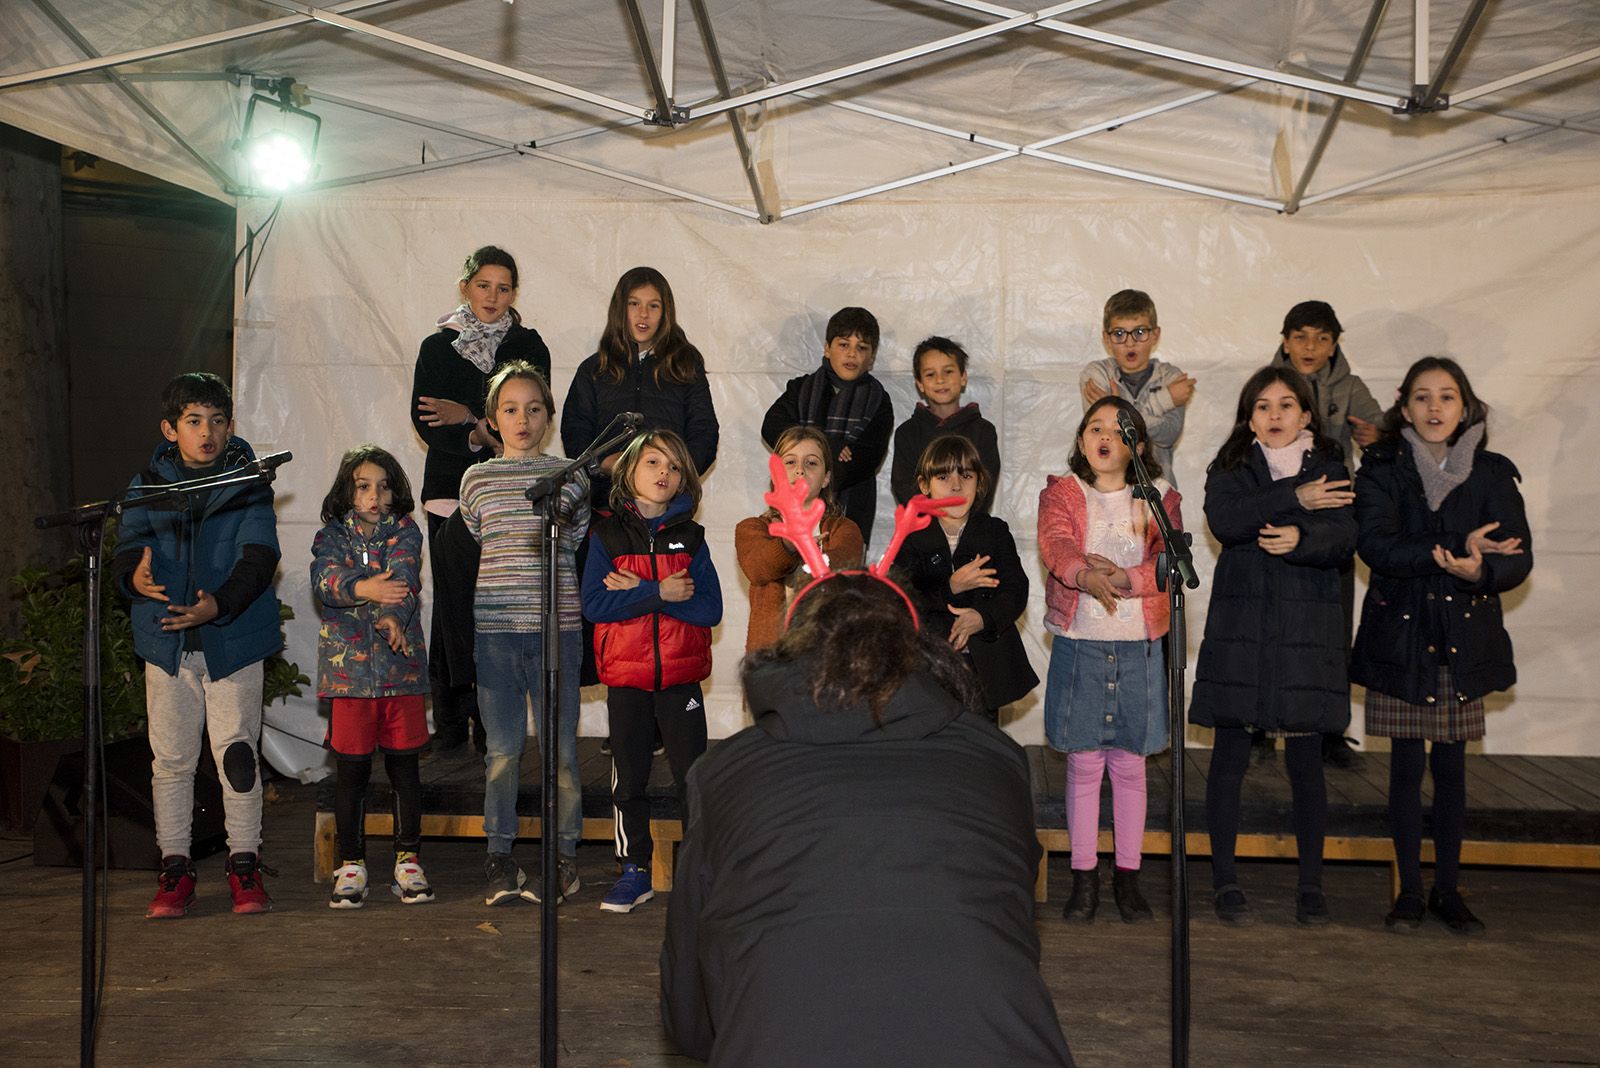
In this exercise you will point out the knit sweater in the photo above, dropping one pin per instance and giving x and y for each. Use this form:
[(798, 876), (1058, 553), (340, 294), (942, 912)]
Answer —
[(510, 587), (773, 567)]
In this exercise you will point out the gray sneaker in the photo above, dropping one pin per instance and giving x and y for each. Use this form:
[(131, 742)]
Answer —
[(566, 875), (505, 879)]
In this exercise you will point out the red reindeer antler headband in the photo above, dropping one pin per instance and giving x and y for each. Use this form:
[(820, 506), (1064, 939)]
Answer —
[(798, 523)]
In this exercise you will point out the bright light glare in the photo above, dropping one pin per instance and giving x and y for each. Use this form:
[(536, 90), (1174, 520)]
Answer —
[(278, 161)]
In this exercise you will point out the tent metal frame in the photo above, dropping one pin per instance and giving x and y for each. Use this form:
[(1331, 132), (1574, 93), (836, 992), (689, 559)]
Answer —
[(1427, 94)]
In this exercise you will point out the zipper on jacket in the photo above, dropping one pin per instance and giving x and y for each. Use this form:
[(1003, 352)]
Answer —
[(655, 617)]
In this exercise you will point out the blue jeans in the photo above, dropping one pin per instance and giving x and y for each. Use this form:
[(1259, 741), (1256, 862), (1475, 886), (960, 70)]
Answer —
[(509, 672)]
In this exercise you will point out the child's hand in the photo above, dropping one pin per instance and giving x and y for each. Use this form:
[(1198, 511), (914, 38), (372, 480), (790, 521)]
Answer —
[(394, 634), (1363, 432), (382, 588), (184, 616), (144, 579), (440, 411), (1468, 568), (845, 455), (1097, 584), (1093, 391), (1319, 494), (1480, 538), (1181, 389), (968, 622), (677, 586), (973, 575), (1279, 541), (621, 579), (482, 437), (1119, 578)]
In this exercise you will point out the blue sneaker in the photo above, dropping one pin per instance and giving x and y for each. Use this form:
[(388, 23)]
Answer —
[(631, 890)]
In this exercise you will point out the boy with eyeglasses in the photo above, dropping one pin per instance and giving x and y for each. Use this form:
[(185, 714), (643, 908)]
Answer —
[(1159, 390)]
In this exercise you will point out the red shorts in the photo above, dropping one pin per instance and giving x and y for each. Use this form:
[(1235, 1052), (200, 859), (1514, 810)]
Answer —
[(360, 725)]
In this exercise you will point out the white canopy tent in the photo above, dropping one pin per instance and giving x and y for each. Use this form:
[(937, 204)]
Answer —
[(1438, 161)]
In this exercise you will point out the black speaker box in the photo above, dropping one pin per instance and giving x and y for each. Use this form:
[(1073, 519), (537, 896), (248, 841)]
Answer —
[(128, 821)]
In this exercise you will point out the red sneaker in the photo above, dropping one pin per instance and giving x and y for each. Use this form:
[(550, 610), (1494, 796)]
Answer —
[(244, 882), (174, 889)]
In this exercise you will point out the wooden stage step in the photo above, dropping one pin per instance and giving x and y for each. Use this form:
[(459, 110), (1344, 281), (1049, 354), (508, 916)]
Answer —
[(1521, 811)]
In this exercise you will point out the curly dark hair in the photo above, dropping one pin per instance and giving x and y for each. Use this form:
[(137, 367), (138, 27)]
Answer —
[(1473, 412), (341, 498), (862, 646)]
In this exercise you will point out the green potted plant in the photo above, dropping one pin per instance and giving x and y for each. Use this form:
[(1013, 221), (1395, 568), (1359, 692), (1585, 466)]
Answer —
[(41, 680)]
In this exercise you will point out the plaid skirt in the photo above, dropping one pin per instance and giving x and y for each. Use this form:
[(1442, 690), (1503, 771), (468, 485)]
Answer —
[(1448, 719)]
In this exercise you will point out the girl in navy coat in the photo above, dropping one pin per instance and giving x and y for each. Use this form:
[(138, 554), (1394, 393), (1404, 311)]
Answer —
[(1444, 531), (966, 577), (1273, 656)]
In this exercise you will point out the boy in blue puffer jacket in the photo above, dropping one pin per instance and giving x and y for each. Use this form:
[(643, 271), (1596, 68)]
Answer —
[(199, 573)]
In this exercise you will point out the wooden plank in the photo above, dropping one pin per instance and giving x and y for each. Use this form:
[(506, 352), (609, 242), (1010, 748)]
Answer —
[(1528, 795), (1539, 774), (1582, 772)]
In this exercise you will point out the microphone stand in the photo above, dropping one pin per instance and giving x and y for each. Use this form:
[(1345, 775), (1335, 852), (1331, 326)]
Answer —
[(1174, 571), (542, 495), (88, 523)]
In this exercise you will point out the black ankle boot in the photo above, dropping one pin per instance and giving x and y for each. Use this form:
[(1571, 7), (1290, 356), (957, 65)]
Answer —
[(1085, 897), (1130, 902)]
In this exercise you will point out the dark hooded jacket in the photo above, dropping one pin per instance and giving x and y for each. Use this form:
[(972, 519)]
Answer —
[(918, 432), (853, 895)]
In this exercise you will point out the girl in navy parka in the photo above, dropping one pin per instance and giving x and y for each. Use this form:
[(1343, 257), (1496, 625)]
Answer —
[(651, 591), (371, 663)]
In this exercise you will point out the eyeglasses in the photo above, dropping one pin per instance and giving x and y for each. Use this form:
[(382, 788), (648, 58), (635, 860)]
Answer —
[(1138, 333)]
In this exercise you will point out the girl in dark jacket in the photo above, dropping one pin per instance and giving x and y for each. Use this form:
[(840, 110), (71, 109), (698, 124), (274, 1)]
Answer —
[(1274, 656), (966, 578), (1443, 529), (447, 392), (644, 364)]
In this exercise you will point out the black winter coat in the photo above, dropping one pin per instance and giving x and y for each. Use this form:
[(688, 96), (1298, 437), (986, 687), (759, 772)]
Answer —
[(917, 432), (996, 652), (855, 895), (866, 455), (1274, 653), (592, 402), (441, 371), (1416, 616)]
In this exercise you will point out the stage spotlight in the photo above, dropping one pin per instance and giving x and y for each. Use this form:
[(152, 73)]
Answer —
[(280, 140)]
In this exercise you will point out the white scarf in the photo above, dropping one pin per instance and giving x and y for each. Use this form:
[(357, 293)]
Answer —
[(477, 341), (1286, 462)]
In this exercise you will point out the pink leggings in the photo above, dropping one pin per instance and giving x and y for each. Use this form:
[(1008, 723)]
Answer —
[(1127, 805)]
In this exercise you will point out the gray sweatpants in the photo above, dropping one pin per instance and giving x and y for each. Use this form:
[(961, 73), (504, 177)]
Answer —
[(181, 707)]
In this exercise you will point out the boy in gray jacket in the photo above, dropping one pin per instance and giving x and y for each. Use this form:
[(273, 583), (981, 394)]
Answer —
[(1159, 390)]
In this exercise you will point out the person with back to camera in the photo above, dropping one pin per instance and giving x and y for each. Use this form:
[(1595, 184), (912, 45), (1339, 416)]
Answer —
[(1444, 530), (199, 573), (1273, 655), (452, 374), (1159, 390), (772, 564), (1349, 415), (855, 887), (852, 408)]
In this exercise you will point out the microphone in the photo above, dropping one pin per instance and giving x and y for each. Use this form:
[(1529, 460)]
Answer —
[(1130, 433), (272, 461), (633, 422)]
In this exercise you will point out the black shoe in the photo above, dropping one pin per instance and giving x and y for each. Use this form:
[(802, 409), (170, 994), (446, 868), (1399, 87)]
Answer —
[(1338, 752), (1085, 897), (1406, 915), (1130, 902), (449, 742), (1311, 907), (480, 740), (1453, 912), (1263, 747), (1232, 908)]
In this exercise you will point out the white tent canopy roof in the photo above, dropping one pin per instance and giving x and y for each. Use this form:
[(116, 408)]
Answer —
[(769, 110)]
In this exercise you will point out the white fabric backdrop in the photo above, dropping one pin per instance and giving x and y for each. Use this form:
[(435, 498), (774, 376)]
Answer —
[(328, 332)]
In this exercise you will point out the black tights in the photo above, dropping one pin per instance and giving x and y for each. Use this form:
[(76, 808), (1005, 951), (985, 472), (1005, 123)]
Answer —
[(1449, 765), (1230, 755), (350, 803)]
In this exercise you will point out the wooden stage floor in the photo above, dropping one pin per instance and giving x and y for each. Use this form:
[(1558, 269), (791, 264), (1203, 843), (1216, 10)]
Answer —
[(456, 983)]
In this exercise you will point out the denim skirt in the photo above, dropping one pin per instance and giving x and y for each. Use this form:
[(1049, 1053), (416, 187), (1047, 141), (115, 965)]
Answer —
[(1106, 695)]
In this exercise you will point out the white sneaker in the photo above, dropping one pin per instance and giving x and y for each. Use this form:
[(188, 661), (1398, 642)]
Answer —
[(349, 885), (410, 881)]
